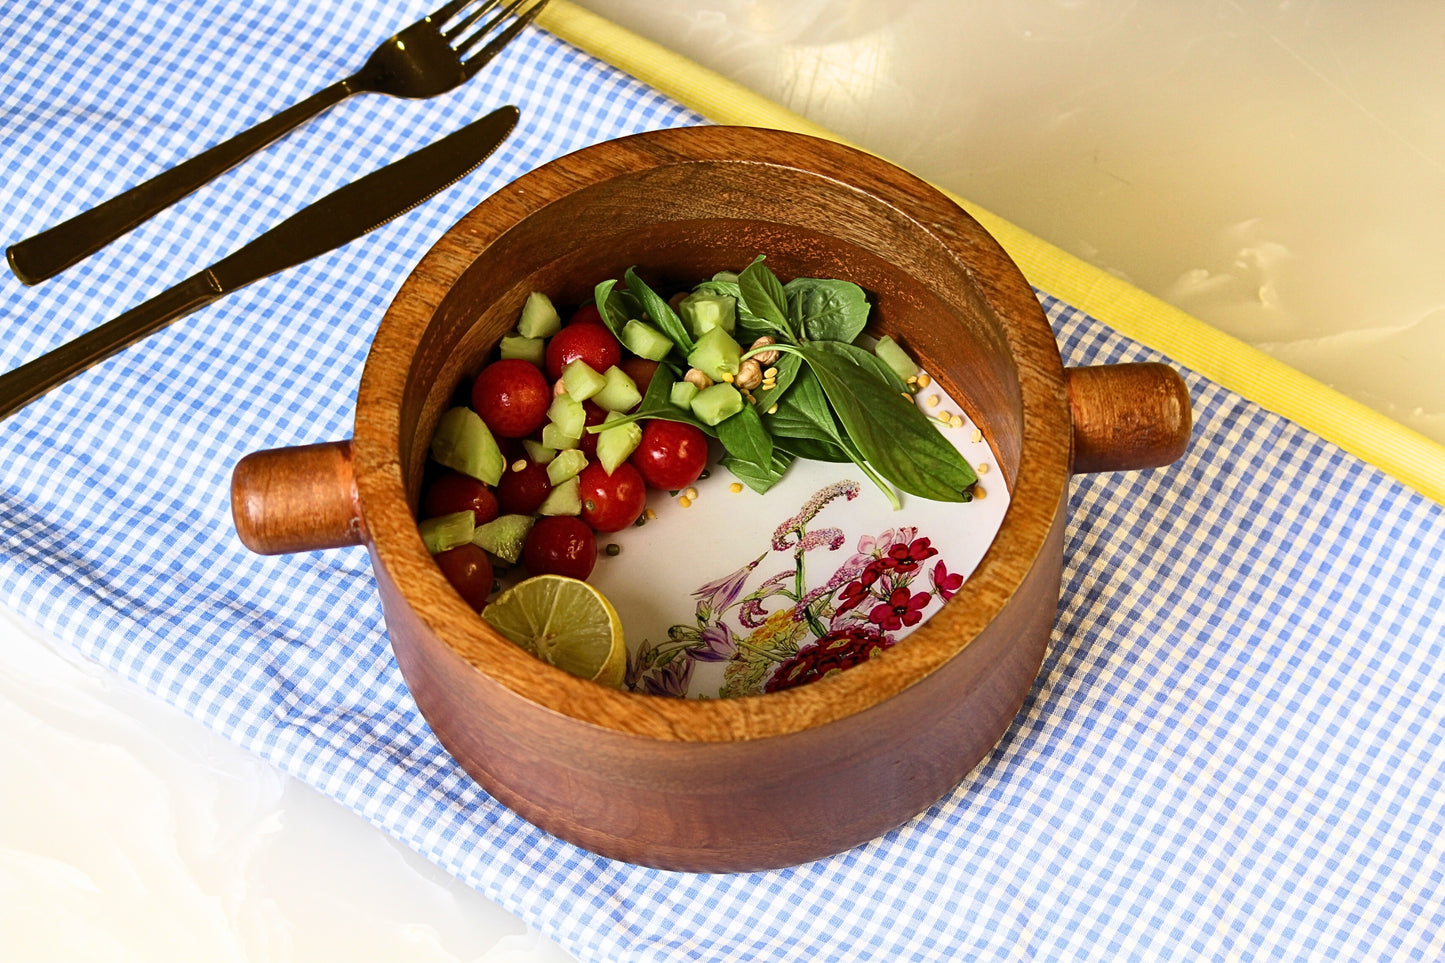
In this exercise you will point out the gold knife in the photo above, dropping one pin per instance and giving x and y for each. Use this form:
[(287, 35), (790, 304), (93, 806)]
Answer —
[(341, 216)]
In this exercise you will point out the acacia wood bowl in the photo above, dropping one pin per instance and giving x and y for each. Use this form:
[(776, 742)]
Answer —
[(760, 781)]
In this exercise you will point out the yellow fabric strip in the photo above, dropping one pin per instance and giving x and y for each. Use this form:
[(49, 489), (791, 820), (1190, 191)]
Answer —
[(1407, 455)]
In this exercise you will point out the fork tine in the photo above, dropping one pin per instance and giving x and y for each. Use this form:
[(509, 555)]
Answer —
[(455, 7), (447, 12), (482, 56)]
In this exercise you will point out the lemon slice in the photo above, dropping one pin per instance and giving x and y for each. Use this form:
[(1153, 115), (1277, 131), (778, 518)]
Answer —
[(564, 622)]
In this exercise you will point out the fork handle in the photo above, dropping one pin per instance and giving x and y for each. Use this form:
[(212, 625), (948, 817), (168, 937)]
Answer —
[(55, 249)]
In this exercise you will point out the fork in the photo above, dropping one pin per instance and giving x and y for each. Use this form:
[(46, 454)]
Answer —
[(423, 60)]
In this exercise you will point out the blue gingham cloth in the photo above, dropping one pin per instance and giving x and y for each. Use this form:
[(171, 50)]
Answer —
[(1234, 750)]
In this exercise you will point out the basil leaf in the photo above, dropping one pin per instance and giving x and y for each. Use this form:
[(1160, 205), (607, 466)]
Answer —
[(758, 477), (898, 441), (827, 310), (612, 306), (744, 436), (811, 449), (804, 412), (659, 311), (762, 293)]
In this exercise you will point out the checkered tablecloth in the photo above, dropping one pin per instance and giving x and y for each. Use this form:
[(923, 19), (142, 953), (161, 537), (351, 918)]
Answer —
[(1234, 750)]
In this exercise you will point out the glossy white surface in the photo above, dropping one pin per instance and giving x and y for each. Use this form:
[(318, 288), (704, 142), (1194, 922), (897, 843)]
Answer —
[(1276, 169)]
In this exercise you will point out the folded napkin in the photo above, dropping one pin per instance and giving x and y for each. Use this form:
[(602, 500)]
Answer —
[(1234, 749)]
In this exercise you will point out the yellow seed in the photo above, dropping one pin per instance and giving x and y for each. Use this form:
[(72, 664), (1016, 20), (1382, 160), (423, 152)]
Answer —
[(728, 377), (685, 502), (978, 493), (955, 422), (924, 381), (906, 396), (773, 410), (983, 468), (770, 373), (911, 379), (650, 513), (976, 437), (691, 493), (932, 401), (945, 416), (735, 487), (519, 464)]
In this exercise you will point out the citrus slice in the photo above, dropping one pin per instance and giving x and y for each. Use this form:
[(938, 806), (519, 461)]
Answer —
[(564, 622)]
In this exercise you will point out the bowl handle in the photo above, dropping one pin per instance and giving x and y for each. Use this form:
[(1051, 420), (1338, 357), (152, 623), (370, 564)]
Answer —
[(296, 499), (1127, 416)]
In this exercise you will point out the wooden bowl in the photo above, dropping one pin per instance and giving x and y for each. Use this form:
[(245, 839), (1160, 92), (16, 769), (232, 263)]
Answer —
[(760, 781)]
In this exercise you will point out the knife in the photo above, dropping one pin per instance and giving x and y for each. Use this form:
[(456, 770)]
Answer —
[(341, 216)]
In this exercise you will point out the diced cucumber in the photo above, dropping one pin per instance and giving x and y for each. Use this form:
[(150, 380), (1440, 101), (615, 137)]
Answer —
[(581, 381), (682, 394), (567, 464), (702, 312), (889, 352), (716, 403), (566, 417), (463, 442), (538, 452), (563, 499), (504, 536), (527, 349), (716, 354), (539, 318), (616, 444), (645, 341), (447, 531), (619, 393)]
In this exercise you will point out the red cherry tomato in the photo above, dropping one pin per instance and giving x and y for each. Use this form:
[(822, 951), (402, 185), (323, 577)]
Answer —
[(611, 502), (671, 454), (469, 571), (452, 491), (521, 492), (512, 397), (560, 545), (587, 341), (587, 314), (640, 370)]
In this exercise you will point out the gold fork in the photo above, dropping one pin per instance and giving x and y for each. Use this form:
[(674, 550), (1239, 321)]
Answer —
[(423, 60)]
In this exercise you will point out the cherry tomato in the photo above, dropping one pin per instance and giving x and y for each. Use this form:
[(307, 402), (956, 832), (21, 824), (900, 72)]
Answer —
[(512, 397), (640, 370), (671, 454), (521, 492), (469, 571), (587, 341), (596, 414), (560, 545), (587, 314), (611, 502), (453, 491)]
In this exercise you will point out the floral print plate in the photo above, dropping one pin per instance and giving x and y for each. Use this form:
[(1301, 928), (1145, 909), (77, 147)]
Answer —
[(724, 592)]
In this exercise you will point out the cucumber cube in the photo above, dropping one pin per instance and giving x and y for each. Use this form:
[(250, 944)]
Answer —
[(447, 531), (504, 536), (702, 312), (566, 465), (538, 452), (568, 417), (581, 381), (539, 318), (682, 394), (645, 341), (463, 442), (563, 499), (896, 358), (717, 403), (619, 392), (527, 349), (616, 444), (716, 354)]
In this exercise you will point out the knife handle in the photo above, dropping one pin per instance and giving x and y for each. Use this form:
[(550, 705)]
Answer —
[(33, 378), (55, 249)]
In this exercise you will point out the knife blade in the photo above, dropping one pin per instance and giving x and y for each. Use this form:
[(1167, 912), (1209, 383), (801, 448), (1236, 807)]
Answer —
[(344, 215)]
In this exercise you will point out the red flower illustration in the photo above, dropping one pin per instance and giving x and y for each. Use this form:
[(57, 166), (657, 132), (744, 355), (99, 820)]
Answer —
[(907, 558), (838, 650), (944, 582), (899, 610)]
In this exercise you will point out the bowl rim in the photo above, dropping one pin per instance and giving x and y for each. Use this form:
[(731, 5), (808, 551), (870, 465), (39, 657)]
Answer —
[(1036, 498)]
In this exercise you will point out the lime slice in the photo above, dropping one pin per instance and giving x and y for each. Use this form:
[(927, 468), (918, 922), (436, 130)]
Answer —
[(564, 622)]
